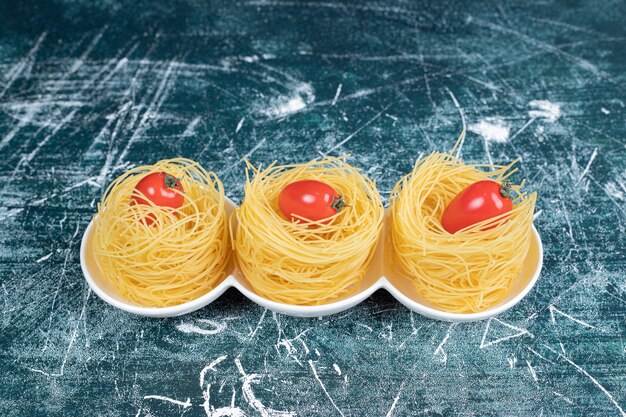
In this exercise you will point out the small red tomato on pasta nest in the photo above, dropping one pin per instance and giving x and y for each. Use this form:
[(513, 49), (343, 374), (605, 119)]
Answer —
[(310, 199), (160, 188), (480, 201)]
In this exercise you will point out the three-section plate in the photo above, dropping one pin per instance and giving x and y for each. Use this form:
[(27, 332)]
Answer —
[(379, 275)]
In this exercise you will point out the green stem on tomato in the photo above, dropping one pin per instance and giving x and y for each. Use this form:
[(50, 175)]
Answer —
[(338, 203), (170, 181), (505, 190)]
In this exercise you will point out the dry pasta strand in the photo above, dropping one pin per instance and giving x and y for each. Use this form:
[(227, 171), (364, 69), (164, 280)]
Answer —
[(299, 263), (182, 255)]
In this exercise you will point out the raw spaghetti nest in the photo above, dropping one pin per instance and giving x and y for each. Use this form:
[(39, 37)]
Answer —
[(181, 256), (307, 263), (468, 271)]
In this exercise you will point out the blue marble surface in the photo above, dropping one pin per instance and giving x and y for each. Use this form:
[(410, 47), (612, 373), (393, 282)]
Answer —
[(89, 89)]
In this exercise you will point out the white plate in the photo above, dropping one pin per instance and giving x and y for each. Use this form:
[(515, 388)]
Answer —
[(377, 276)]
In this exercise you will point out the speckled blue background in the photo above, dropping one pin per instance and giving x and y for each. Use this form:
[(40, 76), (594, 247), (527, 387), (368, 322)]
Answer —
[(89, 89)]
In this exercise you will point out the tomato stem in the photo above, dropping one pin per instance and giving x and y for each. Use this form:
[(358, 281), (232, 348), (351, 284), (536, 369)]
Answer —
[(170, 181), (505, 190), (338, 203)]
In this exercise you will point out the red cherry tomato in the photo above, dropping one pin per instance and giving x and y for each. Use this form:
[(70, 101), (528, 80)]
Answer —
[(477, 202), (310, 199), (161, 189)]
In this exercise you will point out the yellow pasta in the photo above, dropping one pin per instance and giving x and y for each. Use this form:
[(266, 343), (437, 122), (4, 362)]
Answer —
[(307, 263), (473, 269), (182, 255)]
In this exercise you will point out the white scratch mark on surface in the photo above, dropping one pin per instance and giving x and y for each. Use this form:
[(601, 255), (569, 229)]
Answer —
[(395, 401), (553, 310), (544, 109), (291, 350), (258, 325), (246, 156), (363, 126), (512, 361), (209, 410), (566, 399), (570, 230), (157, 100), (336, 95), (534, 352), (613, 200), (588, 166), (69, 346), (218, 327), (89, 181), (210, 367), (414, 329), (6, 299), (389, 334), (10, 212), (286, 343), (17, 69), (324, 388), (248, 393), (306, 348), (184, 404), (120, 115), (120, 64), (440, 351), (58, 288), (580, 62), (487, 84), (365, 326), (528, 123), (532, 371), (44, 258), (30, 112), (519, 332), (337, 369), (595, 381), (190, 130), (610, 188), (331, 5), (424, 66), (239, 125), (460, 109), (45, 140), (79, 62)]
